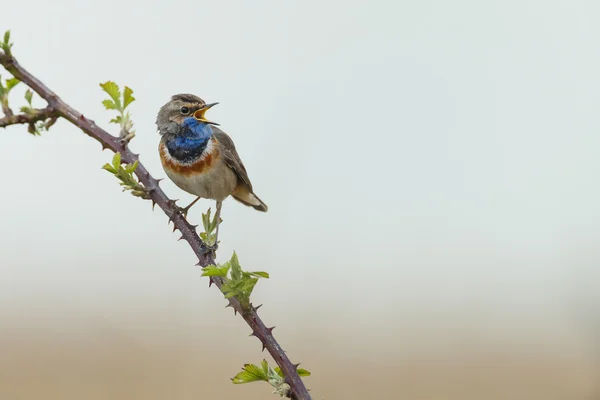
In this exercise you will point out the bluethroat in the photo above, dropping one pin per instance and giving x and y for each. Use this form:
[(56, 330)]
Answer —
[(200, 158)]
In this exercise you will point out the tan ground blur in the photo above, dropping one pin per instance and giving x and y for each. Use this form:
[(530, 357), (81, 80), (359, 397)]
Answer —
[(90, 357)]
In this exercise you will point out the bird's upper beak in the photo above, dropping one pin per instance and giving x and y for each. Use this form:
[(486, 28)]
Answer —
[(199, 115)]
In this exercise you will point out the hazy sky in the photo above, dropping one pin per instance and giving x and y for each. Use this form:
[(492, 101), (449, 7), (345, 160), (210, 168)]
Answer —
[(421, 160)]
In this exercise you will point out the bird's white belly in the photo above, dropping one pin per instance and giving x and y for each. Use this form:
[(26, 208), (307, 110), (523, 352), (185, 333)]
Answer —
[(216, 183)]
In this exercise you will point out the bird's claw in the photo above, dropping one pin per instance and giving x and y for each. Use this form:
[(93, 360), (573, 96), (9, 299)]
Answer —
[(181, 210)]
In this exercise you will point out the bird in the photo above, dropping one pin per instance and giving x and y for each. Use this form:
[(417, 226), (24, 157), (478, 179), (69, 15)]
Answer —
[(200, 158)]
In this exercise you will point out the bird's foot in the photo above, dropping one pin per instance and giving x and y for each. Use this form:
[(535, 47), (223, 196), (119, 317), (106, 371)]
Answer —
[(181, 210)]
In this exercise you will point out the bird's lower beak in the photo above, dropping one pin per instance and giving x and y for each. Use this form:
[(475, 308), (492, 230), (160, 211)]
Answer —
[(199, 115)]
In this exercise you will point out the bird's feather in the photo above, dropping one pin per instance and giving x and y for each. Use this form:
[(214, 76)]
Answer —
[(243, 192), (170, 128), (230, 154)]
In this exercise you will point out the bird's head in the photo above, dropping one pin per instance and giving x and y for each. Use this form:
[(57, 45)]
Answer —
[(184, 109)]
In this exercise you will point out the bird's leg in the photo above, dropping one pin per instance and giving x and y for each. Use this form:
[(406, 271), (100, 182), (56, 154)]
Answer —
[(185, 210)]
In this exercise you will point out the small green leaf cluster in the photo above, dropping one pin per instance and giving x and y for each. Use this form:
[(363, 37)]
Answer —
[(125, 175), (210, 225), (29, 110), (120, 104), (237, 282), (264, 372), (6, 45), (7, 86)]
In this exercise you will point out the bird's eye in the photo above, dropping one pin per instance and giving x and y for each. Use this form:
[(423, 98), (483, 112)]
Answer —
[(184, 110)]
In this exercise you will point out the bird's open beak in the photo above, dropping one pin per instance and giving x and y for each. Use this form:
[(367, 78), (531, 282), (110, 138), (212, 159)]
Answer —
[(199, 115)]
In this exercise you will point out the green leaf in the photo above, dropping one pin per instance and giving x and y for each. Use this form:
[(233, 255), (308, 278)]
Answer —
[(127, 97), (109, 104), (28, 96), (116, 120), (125, 175), (227, 287), (213, 270), (263, 372), (300, 371), (265, 367), (6, 45), (236, 269), (252, 373), (109, 168), (249, 284), (138, 193), (11, 83), (259, 274), (113, 91), (206, 221), (235, 260), (132, 167), (116, 161), (230, 289)]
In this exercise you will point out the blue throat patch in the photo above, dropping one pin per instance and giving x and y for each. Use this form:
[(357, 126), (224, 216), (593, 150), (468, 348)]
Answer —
[(191, 141)]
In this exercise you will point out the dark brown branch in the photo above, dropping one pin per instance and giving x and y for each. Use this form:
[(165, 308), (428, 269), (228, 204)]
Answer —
[(57, 107)]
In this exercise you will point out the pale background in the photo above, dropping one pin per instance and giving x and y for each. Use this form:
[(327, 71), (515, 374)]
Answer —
[(431, 170)]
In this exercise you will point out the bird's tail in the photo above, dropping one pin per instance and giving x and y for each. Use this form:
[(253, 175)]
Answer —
[(245, 196)]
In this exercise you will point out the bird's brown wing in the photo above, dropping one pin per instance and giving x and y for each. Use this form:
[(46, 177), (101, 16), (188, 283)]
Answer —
[(231, 156)]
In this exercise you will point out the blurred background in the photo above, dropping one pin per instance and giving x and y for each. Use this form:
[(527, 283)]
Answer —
[(431, 170)]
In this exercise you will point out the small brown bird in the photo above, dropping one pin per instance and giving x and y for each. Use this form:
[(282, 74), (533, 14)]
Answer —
[(199, 157)]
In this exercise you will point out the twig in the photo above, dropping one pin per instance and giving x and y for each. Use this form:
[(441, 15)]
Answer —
[(7, 110), (29, 118), (58, 108)]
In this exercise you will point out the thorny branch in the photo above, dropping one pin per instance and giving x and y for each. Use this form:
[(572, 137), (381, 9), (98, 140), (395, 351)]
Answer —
[(57, 108)]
